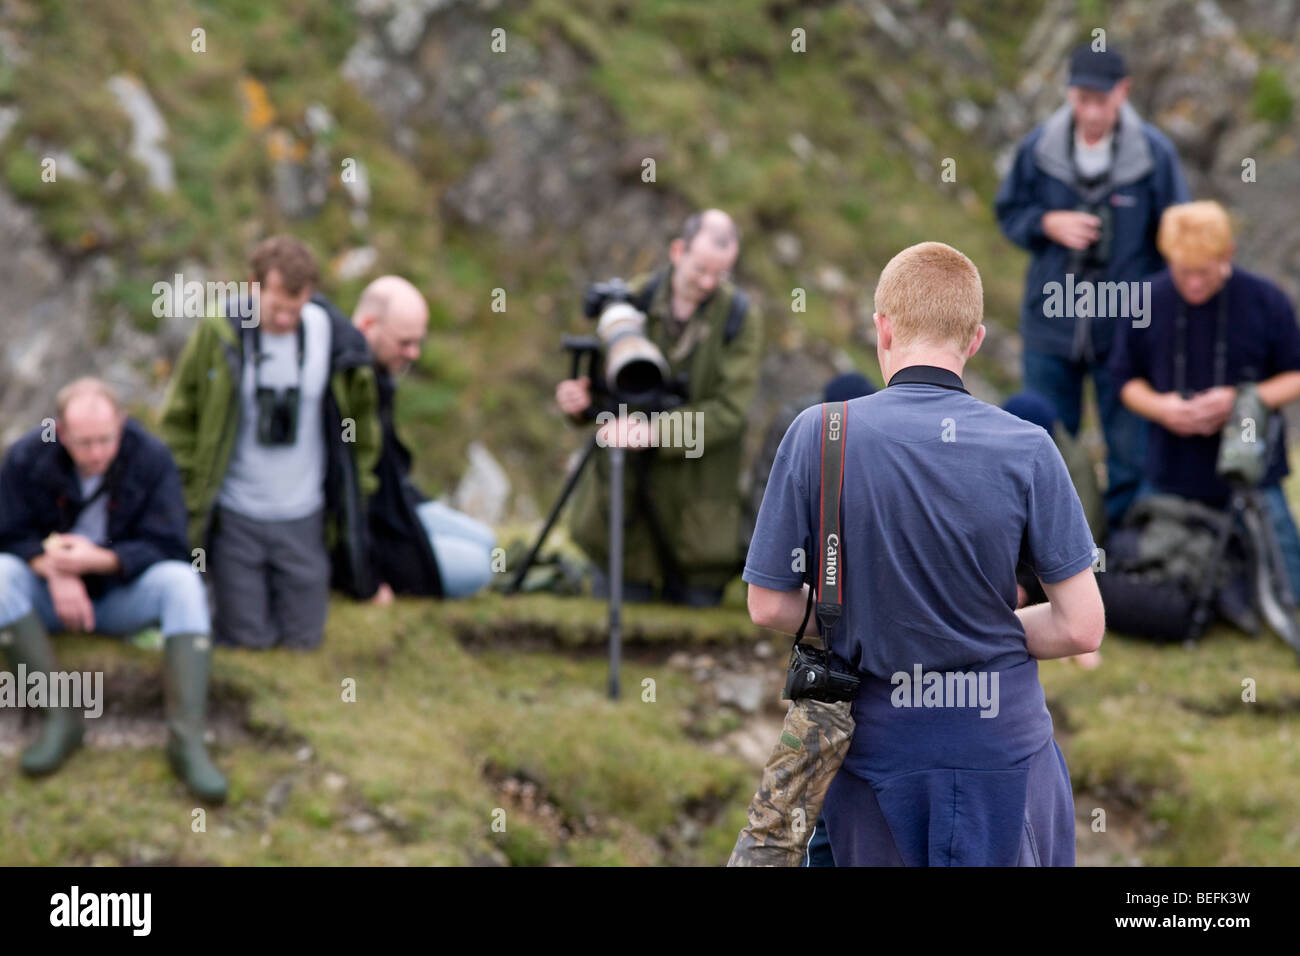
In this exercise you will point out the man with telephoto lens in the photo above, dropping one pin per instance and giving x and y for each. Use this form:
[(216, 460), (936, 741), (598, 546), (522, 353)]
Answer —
[(1083, 195), (273, 425), (681, 490), (952, 760)]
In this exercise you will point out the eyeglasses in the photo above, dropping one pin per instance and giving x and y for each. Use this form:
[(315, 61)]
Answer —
[(85, 444)]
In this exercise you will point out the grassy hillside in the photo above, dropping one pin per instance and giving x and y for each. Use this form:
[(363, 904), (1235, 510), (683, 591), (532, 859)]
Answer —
[(493, 704), (467, 710), (797, 142)]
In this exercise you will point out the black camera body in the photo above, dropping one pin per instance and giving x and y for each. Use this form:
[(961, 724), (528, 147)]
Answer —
[(600, 294), (816, 674), (277, 415)]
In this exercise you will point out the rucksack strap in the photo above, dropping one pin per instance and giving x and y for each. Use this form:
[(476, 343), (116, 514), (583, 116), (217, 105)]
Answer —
[(642, 301), (735, 316), (830, 563)]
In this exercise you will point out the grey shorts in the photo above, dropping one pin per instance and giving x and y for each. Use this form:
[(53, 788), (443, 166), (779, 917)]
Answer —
[(270, 581)]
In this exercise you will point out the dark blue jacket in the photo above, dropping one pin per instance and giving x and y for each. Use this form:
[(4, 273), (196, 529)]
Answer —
[(1145, 179), (40, 495)]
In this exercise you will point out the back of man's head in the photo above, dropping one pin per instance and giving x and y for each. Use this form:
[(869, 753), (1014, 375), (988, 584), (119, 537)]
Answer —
[(933, 297), (1032, 407), (848, 386)]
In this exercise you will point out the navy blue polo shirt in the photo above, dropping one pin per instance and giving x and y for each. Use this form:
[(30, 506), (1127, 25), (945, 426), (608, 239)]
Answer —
[(1262, 340), (941, 491)]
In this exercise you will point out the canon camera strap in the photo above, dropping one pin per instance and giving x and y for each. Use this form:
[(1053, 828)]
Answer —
[(830, 576)]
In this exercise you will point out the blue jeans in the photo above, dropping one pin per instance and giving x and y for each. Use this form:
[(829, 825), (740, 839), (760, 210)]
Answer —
[(1060, 381), (1284, 529), (168, 594), (461, 546)]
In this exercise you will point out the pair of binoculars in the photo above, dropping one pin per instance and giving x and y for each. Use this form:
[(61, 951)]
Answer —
[(277, 415), (1096, 257)]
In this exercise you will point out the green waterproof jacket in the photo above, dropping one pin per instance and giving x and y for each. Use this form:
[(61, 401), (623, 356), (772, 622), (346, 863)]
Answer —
[(201, 414), (694, 490)]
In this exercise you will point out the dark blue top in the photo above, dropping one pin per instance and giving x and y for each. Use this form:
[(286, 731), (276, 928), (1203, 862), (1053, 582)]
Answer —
[(943, 495), (941, 490), (1145, 179), (1262, 340)]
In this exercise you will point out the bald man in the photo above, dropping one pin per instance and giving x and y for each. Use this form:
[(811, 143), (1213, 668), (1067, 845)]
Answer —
[(418, 546), (707, 332), (93, 538)]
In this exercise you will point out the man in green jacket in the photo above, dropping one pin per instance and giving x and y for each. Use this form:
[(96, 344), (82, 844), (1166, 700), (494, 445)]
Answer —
[(707, 332), (271, 417)]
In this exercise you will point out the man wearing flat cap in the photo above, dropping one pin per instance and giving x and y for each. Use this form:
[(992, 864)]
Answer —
[(1084, 196)]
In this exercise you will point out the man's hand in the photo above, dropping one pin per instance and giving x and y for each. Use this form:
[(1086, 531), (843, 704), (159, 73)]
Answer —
[(1074, 230), (622, 433), (71, 602), (1203, 414), (1216, 405), (573, 395), (75, 555), (383, 596)]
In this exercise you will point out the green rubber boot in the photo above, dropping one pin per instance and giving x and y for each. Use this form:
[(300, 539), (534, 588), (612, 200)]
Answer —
[(187, 659), (63, 728)]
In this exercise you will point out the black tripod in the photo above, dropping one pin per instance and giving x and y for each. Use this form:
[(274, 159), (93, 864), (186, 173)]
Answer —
[(1271, 585), (589, 347)]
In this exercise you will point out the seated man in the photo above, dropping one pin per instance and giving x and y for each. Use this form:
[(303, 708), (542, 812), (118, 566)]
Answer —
[(92, 538), (417, 546), (1213, 325)]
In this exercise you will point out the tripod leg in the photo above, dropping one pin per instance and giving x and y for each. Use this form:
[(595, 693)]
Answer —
[(1272, 589), (556, 508), (616, 458)]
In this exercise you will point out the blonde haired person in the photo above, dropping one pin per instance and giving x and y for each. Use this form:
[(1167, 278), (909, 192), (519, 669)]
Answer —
[(1204, 306)]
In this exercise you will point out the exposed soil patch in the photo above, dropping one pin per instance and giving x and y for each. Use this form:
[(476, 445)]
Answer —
[(133, 716)]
